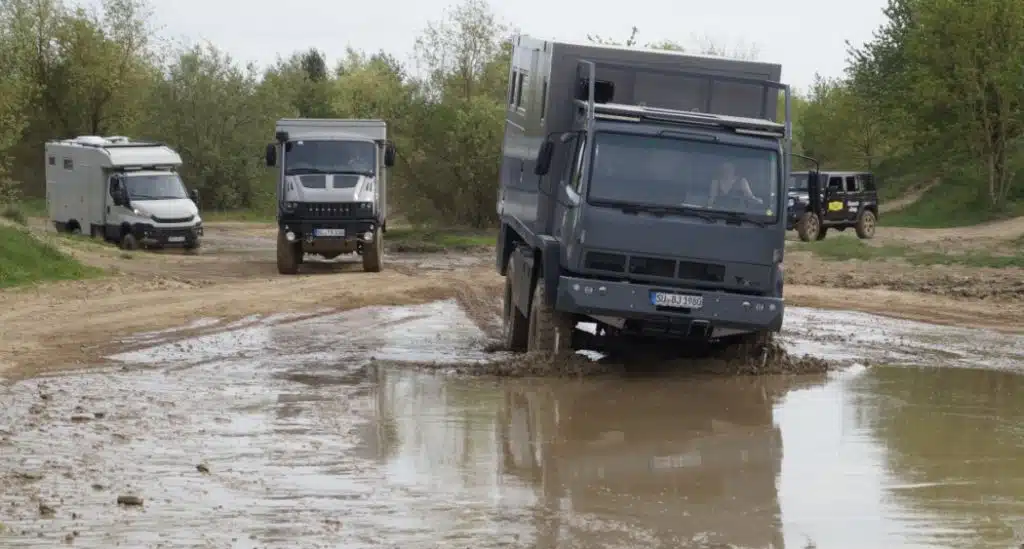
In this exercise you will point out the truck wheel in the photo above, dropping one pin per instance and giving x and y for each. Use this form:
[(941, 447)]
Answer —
[(809, 227), (373, 254), (289, 255), (128, 242), (193, 245), (515, 327), (866, 224), (550, 330)]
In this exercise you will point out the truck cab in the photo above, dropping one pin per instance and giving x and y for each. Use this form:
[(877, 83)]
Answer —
[(654, 221), (332, 189)]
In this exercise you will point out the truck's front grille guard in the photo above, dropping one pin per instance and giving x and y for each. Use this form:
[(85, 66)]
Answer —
[(318, 210), (707, 276)]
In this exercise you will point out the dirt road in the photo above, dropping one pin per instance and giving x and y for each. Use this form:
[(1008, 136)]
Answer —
[(63, 325)]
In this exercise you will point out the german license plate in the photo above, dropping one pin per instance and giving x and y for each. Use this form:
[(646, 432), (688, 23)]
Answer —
[(329, 232), (176, 239), (677, 301)]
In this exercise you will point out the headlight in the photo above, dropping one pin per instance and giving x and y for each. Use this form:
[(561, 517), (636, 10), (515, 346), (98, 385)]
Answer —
[(289, 207), (792, 201), (142, 213), (365, 206)]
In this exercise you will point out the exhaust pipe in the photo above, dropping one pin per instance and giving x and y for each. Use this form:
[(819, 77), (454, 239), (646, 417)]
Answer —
[(700, 329)]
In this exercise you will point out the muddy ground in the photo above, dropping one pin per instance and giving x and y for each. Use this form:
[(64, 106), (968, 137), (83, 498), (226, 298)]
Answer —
[(63, 325), (206, 401)]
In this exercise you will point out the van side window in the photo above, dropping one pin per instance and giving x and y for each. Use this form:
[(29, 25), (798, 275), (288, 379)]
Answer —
[(68, 164), (513, 87), (52, 160), (544, 100), (524, 82)]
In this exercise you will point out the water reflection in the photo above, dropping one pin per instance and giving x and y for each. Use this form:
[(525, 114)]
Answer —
[(955, 439), (613, 463)]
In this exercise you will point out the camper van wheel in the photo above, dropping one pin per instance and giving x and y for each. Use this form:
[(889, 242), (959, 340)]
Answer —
[(128, 242), (550, 329), (373, 253), (192, 245)]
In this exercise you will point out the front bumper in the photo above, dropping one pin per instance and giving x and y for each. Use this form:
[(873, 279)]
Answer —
[(153, 235), (305, 229), (720, 310)]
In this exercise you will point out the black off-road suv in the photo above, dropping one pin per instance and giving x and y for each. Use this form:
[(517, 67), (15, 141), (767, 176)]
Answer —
[(819, 201)]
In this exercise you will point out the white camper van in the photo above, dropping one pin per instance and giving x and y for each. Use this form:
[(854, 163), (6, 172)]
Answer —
[(124, 191)]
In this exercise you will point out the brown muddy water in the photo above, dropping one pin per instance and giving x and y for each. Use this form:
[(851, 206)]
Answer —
[(283, 432)]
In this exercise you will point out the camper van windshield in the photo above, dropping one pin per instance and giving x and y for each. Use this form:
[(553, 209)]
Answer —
[(155, 186), (674, 172), (798, 182), (304, 157)]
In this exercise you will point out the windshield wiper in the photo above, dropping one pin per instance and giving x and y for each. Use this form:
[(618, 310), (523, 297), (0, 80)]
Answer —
[(737, 217), (661, 211), (305, 171)]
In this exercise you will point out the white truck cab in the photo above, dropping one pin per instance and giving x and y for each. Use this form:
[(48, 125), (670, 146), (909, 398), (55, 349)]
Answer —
[(124, 191)]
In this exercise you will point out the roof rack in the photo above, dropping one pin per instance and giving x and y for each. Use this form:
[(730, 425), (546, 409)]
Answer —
[(750, 126)]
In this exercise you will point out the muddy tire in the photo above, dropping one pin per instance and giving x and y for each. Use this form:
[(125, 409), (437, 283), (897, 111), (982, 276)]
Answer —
[(129, 243), (373, 254), (550, 330), (289, 255), (865, 226), (515, 327), (192, 245), (809, 227)]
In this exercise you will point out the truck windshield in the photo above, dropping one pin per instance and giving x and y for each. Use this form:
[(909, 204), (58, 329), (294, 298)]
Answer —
[(675, 172), (308, 156), (798, 182), (155, 186)]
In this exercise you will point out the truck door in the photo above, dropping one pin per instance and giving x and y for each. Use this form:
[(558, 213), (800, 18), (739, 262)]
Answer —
[(835, 199), (569, 191), (854, 198)]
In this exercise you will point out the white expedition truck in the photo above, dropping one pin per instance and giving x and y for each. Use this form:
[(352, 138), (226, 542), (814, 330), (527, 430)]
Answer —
[(331, 189), (120, 190)]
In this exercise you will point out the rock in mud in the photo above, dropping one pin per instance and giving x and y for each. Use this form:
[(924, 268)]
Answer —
[(203, 468), (129, 500)]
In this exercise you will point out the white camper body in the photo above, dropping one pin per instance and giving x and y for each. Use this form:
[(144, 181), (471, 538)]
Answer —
[(123, 191), (332, 188)]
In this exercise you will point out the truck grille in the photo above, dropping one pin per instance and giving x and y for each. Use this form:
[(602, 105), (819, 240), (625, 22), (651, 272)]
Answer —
[(173, 219), (329, 210), (654, 266)]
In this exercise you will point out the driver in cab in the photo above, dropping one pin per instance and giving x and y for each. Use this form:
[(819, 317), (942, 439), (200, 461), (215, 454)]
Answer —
[(728, 188)]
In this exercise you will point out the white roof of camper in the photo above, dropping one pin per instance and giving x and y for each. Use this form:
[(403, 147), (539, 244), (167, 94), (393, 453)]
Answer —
[(122, 152), (333, 128)]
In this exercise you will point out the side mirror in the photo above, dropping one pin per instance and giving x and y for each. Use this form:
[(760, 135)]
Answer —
[(271, 155), (389, 155), (194, 196), (543, 165), (122, 195)]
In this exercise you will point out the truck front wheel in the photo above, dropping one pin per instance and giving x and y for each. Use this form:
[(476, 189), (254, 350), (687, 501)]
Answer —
[(515, 328), (373, 252), (550, 330), (289, 255)]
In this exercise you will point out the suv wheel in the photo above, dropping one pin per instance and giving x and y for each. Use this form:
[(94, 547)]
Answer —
[(809, 227), (866, 222)]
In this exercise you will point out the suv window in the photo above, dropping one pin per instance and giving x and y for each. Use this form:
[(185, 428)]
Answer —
[(867, 182), (851, 184), (835, 183)]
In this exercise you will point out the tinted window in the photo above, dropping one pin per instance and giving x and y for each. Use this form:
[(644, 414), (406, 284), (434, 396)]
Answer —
[(669, 171), (330, 157)]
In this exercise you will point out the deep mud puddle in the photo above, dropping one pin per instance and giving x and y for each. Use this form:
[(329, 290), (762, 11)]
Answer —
[(291, 432)]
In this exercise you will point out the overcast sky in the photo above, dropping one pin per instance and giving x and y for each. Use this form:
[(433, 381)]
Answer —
[(805, 36)]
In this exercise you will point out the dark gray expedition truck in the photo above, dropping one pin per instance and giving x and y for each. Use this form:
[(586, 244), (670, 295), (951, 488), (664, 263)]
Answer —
[(641, 191)]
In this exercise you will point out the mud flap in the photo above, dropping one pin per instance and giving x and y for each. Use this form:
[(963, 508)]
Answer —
[(522, 285), (551, 261)]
